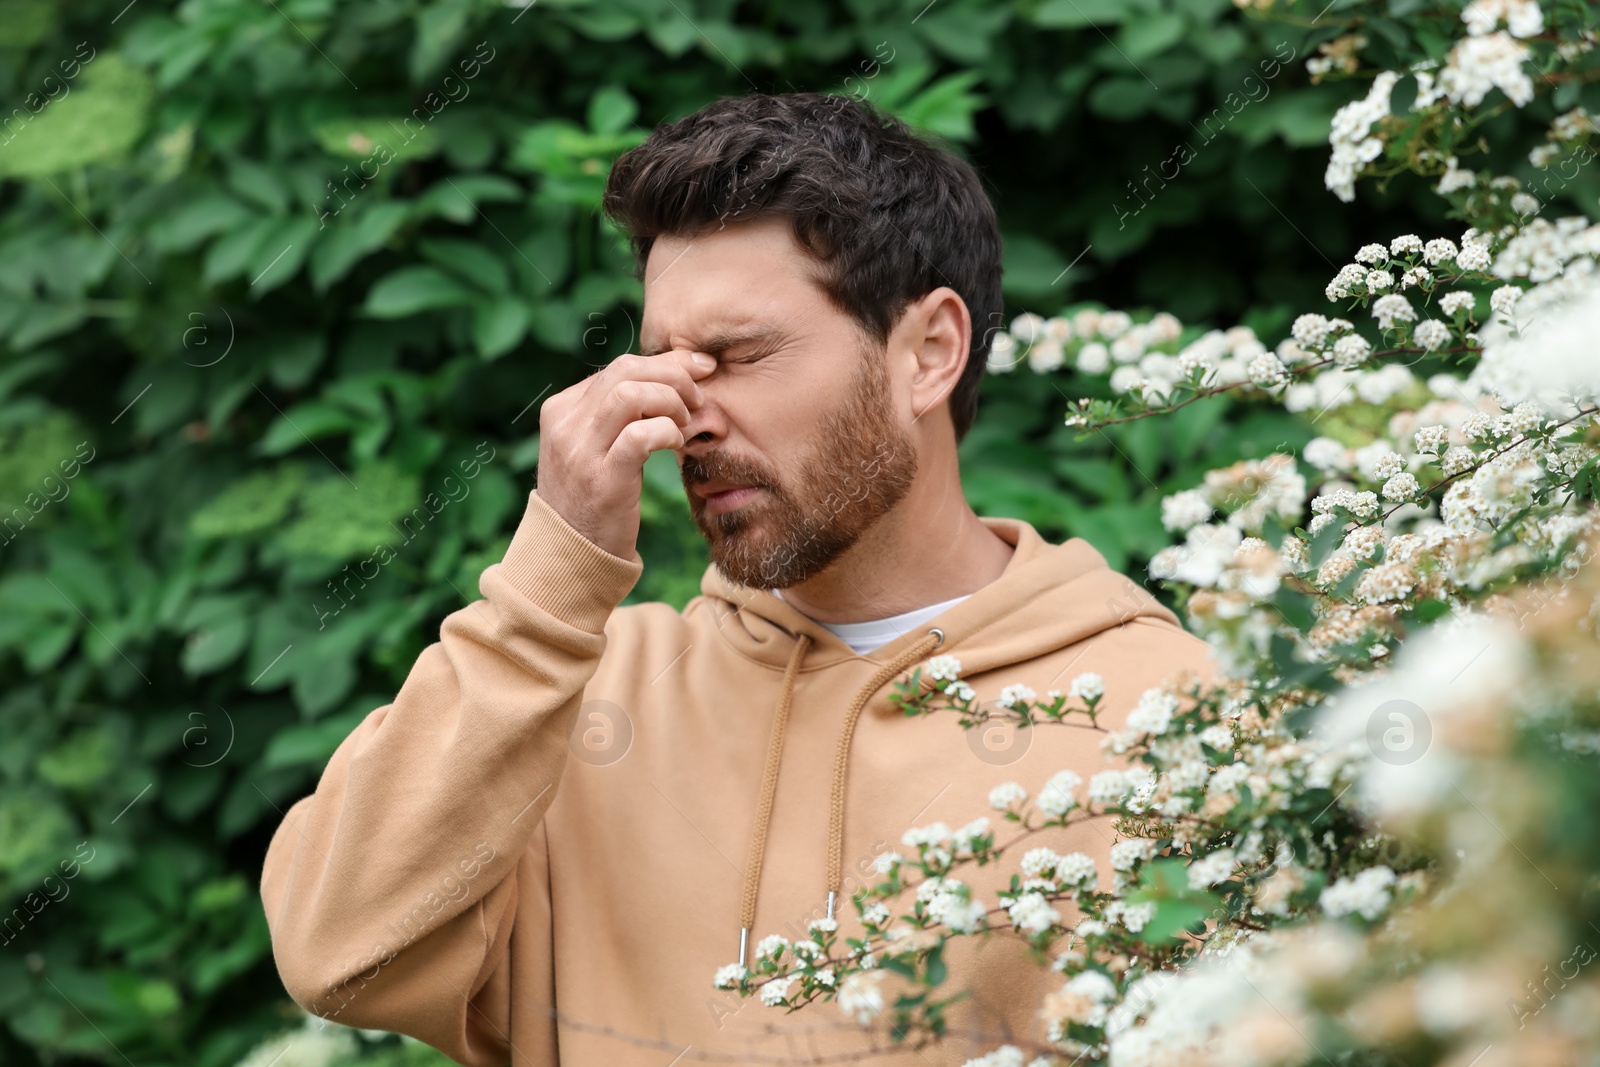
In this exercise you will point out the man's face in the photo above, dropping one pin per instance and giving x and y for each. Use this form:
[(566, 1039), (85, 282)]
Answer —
[(798, 448)]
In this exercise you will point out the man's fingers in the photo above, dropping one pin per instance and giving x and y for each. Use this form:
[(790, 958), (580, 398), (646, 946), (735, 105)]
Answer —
[(634, 400), (638, 439), (676, 368)]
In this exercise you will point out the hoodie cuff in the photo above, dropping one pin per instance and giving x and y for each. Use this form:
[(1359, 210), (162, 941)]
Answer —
[(563, 571)]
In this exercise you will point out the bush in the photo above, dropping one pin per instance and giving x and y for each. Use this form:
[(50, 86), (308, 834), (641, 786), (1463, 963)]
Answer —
[(281, 288)]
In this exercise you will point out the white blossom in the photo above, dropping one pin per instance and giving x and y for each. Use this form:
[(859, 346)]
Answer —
[(1059, 794), (861, 997), (1392, 310), (1076, 869), (1032, 914), (1431, 335), (1153, 714), (1007, 795), (1352, 145), (1087, 686), (1366, 894), (1439, 250), (1186, 509)]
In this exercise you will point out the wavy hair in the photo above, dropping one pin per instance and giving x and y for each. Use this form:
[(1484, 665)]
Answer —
[(887, 214)]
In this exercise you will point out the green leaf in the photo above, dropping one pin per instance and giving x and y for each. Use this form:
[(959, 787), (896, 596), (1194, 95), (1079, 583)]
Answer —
[(281, 256), (84, 758), (1033, 268), (457, 198), (346, 241), (1073, 14), (231, 254), (99, 121), (311, 743), (965, 34), (603, 23), (440, 28), (1172, 919), (498, 325), (936, 969), (323, 682), (218, 628), (946, 107), (295, 358), (611, 110), (673, 33), (345, 517), (303, 424), (410, 290), (1144, 37), (470, 261), (1122, 98), (46, 644), (260, 183), (378, 141), (192, 221), (24, 23), (256, 502), (1191, 426)]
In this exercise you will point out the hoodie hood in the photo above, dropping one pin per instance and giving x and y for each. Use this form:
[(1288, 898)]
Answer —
[(1048, 597)]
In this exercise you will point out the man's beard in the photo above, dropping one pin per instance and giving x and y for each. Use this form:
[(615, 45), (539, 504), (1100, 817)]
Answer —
[(861, 465)]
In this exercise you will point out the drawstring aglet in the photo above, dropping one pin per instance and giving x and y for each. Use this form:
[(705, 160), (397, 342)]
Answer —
[(831, 895), (744, 940)]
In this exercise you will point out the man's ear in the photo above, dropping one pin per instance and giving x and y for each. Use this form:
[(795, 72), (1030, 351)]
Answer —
[(939, 338)]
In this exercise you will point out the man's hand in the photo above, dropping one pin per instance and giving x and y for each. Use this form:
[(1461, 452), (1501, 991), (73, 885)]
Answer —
[(595, 436)]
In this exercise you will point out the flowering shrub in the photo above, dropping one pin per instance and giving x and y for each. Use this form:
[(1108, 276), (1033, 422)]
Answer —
[(1368, 838)]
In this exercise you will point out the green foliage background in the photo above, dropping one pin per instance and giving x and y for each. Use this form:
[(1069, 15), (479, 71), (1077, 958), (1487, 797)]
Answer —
[(274, 378)]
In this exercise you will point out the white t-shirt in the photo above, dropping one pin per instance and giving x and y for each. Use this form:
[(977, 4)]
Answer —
[(864, 637)]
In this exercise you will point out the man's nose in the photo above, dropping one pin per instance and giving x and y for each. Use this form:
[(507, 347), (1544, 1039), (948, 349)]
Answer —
[(706, 425)]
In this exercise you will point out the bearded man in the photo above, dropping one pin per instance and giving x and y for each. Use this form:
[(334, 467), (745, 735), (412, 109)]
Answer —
[(574, 813)]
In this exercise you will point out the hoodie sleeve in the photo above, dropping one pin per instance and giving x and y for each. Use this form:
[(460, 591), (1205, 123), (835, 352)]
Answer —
[(391, 891)]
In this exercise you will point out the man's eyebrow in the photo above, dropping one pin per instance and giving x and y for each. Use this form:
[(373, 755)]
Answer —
[(725, 339)]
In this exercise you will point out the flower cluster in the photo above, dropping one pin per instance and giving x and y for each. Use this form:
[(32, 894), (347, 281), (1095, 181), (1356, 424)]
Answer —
[(1352, 840)]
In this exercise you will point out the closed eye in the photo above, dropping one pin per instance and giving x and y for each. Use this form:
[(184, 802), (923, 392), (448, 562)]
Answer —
[(749, 356)]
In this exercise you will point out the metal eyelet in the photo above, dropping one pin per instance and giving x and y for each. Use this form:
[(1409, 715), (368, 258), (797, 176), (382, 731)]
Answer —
[(940, 632)]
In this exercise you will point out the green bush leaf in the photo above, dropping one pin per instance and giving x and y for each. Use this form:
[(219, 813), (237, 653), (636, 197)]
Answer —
[(98, 121), (414, 289)]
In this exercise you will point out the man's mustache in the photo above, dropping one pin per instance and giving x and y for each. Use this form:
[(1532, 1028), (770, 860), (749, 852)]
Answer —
[(697, 470)]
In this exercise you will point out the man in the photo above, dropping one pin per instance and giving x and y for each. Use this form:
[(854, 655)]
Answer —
[(573, 814)]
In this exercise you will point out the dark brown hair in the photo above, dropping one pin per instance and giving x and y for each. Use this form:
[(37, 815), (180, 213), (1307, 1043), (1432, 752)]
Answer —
[(889, 215)]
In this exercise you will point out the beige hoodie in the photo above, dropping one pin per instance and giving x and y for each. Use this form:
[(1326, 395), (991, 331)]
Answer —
[(544, 848)]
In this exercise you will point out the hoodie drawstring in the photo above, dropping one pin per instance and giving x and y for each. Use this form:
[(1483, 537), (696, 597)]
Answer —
[(841, 763), (769, 786), (841, 758)]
